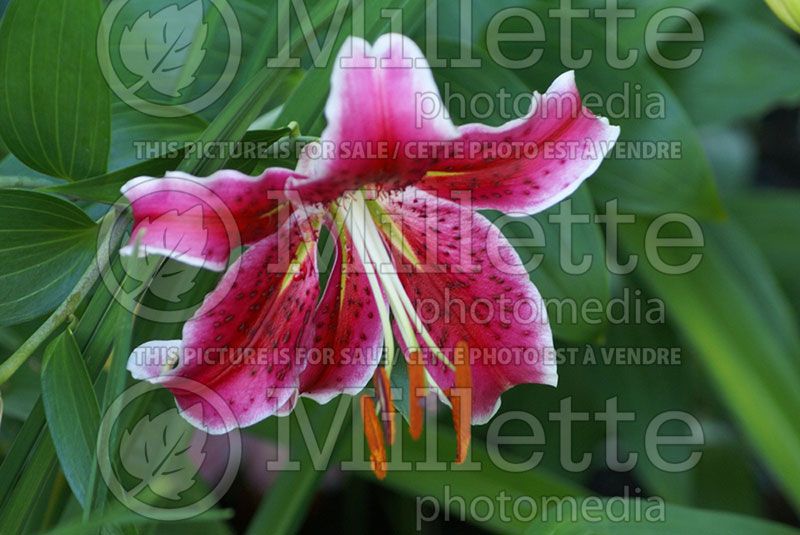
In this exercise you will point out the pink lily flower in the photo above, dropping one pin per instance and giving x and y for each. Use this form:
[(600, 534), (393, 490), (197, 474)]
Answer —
[(397, 190)]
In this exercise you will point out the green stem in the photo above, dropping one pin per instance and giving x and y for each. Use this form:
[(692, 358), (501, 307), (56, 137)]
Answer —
[(26, 182), (63, 312)]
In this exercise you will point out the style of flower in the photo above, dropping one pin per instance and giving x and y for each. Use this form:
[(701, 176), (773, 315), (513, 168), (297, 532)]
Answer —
[(394, 192)]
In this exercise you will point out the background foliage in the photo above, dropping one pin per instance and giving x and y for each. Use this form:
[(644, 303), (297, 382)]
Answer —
[(66, 145)]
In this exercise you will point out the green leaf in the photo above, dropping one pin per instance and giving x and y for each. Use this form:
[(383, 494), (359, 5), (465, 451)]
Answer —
[(162, 454), (470, 483), (31, 462), (115, 385), (157, 47), (232, 122), (306, 103), (121, 515), (788, 11), (263, 159), (26, 182), (54, 103), (681, 183), (552, 280), (733, 154), (106, 188), (46, 245), (746, 69), (73, 415), (724, 478), (17, 509), (769, 216), (731, 310), (137, 136), (617, 516), (567, 293), (283, 508), (202, 56), (12, 166)]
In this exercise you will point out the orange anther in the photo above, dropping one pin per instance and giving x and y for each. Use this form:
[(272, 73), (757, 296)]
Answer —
[(383, 390), (374, 433), (416, 387), (460, 396)]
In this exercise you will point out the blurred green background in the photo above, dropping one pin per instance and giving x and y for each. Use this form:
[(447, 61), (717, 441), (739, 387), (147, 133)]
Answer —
[(732, 320)]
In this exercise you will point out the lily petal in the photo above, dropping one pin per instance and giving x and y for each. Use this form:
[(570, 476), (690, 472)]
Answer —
[(348, 340), (548, 154), (469, 286), (374, 116), (247, 340), (200, 220)]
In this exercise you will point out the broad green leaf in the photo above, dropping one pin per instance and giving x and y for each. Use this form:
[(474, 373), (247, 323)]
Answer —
[(306, 103), (73, 415), (54, 102), (682, 181), (788, 11), (157, 47), (136, 136), (162, 454), (733, 154), (106, 188), (31, 462), (769, 217), (553, 281), (232, 122), (283, 508), (614, 516), (121, 515), (723, 478), (46, 245), (470, 482), (731, 310), (570, 284), (746, 69)]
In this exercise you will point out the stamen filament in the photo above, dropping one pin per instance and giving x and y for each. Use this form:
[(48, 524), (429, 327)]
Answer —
[(375, 252), (359, 238), (405, 309)]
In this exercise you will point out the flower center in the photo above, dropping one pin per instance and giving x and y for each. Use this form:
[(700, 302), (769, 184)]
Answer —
[(359, 216)]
